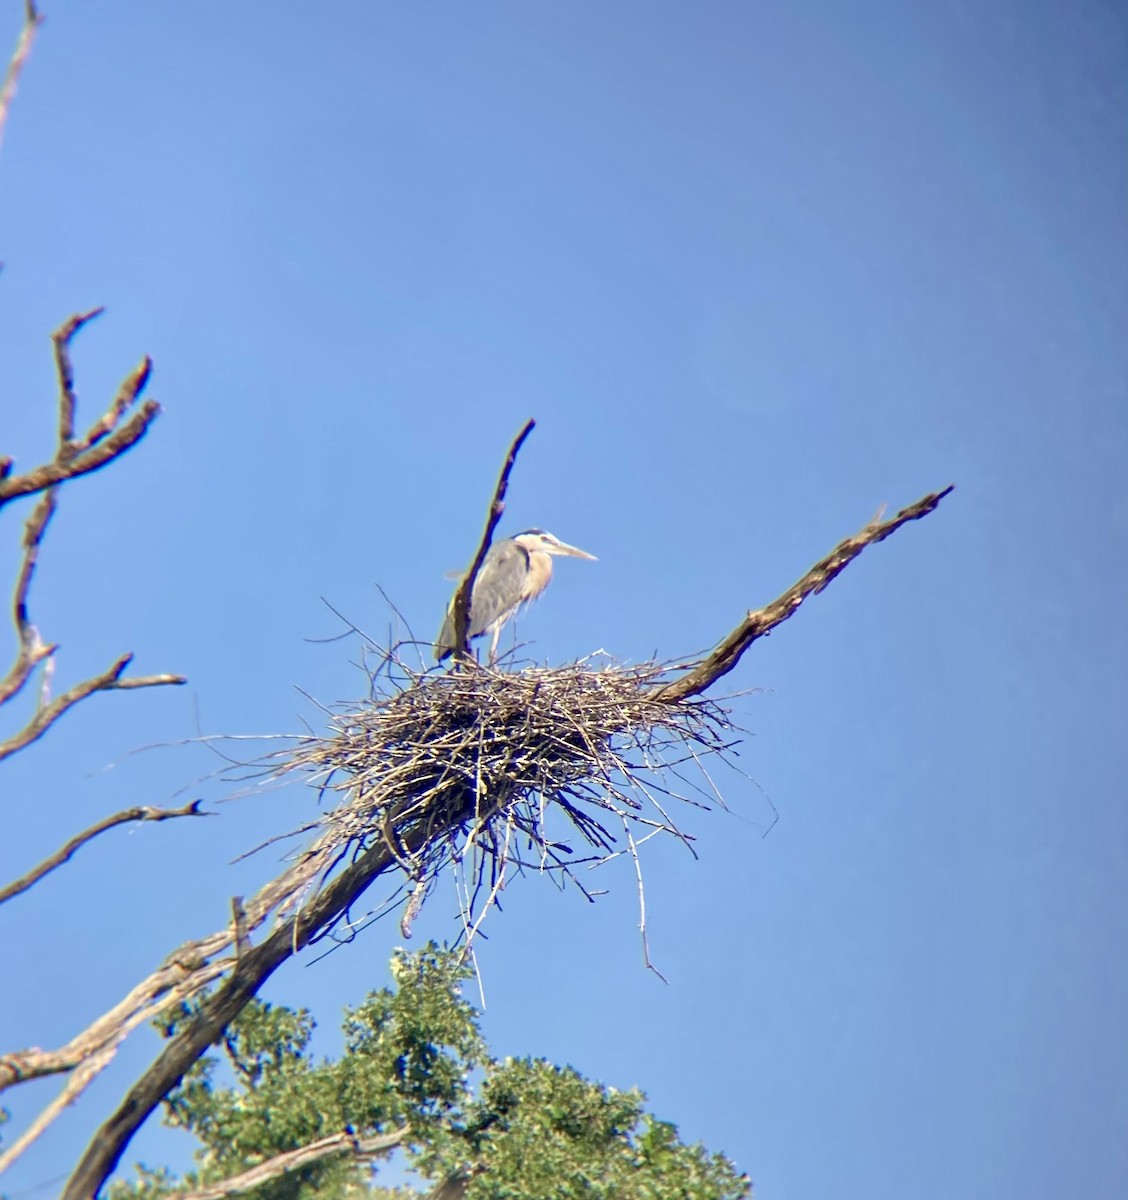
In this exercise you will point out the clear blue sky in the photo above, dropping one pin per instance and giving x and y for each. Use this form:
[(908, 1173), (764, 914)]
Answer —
[(757, 268)]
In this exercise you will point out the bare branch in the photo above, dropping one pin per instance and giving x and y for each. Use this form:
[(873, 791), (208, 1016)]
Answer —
[(93, 459), (68, 401), (361, 1148), (249, 974), (109, 680), (460, 605), (32, 21), (142, 813), (30, 650), (641, 904), (183, 974), (761, 622), (129, 392), (107, 439), (83, 1077)]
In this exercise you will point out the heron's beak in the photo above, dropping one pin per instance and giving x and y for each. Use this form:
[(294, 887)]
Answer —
[(572, 551)]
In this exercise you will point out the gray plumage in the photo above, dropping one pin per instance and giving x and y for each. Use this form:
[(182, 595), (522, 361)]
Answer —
[(514, 571)]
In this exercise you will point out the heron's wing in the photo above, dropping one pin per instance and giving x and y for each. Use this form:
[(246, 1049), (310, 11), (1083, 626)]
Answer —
[(499, 587), (497, 592)]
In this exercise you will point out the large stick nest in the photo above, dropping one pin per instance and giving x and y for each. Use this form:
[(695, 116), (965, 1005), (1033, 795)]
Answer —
[(488, 770)]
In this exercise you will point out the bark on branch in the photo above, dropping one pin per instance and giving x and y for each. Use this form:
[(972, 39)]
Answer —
[(761, 622)]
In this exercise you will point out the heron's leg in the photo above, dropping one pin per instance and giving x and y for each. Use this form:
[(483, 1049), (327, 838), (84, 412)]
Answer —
[(493, 645)]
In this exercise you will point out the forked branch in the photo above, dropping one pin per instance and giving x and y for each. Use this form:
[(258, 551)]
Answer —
[(121, 426), (107, 439)]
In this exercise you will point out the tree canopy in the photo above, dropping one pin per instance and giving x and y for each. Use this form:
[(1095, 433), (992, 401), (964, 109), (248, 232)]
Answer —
[(416, 1073)]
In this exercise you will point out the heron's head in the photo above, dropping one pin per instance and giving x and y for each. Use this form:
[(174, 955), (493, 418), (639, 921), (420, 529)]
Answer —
[(547, 543)]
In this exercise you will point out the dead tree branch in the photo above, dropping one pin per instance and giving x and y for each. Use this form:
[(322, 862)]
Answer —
[(362, 1149), (248, 975), (439, 795), (761, 622), (30, 651), (142, 813), (460, 605), (110, 680), (83, 1076), (105, 441), (22, 52)]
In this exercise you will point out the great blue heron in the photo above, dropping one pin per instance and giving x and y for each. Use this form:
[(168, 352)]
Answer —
[(514, 571)]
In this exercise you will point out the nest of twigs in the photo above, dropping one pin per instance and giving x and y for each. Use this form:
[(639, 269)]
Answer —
[(491, 771)]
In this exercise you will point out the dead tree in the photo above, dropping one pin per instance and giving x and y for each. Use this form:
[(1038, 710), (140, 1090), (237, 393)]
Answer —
[(457, 767), (464, 768)]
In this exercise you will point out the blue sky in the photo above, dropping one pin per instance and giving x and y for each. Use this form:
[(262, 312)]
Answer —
[(756, 268)]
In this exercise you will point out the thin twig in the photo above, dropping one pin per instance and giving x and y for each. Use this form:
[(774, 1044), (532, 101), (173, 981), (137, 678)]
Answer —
[(66, 852), (460, 605), (32, 21), (109, 680), (642, 905)]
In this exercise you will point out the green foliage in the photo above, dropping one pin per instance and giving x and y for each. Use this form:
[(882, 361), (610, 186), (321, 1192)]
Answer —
[(550, 1134), (528, 1131)]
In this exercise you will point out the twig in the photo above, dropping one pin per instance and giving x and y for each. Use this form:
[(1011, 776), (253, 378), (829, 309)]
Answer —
[(109, 680), (106, 440), (346, 1142), (756, 624), (32, 21), (460, 605), (641, 903), (143, 813)]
